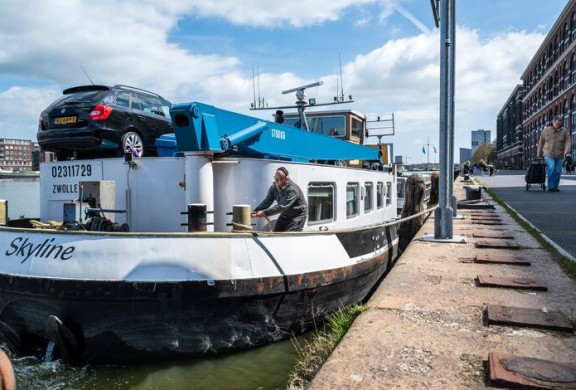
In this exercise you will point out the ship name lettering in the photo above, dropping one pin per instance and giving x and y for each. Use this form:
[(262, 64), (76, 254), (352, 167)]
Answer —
[(279, 134), (21, 247), (64, 188)]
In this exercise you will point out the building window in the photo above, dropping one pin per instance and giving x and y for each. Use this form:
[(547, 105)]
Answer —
[(573, 112)]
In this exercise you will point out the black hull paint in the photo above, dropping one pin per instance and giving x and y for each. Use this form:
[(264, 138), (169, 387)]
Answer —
[(126, 323)]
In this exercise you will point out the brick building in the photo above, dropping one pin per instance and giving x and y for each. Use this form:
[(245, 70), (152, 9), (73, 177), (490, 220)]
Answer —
[(549, 83), (509, 137), (16, 154)]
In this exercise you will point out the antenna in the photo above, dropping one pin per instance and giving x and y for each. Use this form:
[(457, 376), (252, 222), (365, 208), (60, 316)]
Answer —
[(341, 79), (253, 87), (81, 67), (260, 102)]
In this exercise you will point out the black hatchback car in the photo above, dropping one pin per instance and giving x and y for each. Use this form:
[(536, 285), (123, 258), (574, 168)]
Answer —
[(98, 121)]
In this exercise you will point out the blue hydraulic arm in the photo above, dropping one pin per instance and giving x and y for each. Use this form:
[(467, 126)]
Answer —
[(201, 127)]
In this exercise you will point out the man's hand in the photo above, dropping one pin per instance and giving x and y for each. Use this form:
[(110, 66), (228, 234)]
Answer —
[(259, 214)]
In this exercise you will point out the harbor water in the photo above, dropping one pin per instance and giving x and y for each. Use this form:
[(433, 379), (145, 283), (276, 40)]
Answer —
[(23, 197), (263, 368)]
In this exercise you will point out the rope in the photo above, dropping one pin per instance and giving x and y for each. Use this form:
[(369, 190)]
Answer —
[(238, 227), (47, 225)]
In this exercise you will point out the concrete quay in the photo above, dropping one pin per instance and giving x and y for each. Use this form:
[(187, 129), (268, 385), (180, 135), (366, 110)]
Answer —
[(457, 316)]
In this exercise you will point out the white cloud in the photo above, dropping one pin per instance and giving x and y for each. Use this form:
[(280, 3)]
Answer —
[(20, 109), (127, 42)]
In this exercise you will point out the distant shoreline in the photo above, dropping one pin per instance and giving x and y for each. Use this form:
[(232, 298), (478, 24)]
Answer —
[(15, 175)]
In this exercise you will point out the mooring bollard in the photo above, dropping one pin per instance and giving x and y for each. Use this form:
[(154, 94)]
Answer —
[(196, 217), (3, 212), (241, 219), (473, 192), (434, 188), (413, 204)]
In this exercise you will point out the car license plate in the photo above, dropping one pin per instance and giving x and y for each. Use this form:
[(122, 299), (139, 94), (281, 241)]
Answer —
[(64, 120)]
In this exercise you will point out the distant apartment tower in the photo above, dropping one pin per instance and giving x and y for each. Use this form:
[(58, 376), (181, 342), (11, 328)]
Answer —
[(16, 154), (509, 136), (465, 155), (480, 137)]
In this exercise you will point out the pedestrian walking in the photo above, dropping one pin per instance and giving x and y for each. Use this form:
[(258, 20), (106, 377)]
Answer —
[(554, 145)]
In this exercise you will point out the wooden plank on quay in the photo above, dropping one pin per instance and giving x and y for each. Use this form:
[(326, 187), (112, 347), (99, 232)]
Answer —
[(493, 234), (531, 318), (497, 245), (510, 282), (500, 259)]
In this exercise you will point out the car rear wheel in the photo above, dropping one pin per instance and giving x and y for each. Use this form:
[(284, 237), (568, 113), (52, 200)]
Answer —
[(132, 143)]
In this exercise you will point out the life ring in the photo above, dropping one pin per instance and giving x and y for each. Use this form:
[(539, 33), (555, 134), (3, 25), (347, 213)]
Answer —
[(7, 377)]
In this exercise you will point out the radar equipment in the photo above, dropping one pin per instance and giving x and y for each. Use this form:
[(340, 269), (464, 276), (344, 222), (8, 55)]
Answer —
[(302, 102)]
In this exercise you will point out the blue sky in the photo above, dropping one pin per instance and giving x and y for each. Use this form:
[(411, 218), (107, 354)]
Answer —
[(191, 50)]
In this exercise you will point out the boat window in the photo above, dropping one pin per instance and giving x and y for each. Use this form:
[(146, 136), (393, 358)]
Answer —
[(320, 203), (388, 194), (357, 128), (334, 126), (351, 200), (368, 196), (400, 184), (379, 195)]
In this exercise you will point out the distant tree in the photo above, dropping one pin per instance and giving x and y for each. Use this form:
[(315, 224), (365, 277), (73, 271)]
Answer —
[(486, 152)]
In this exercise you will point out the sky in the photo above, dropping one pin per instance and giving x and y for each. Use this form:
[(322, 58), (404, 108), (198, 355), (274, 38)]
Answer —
[(229, 53)]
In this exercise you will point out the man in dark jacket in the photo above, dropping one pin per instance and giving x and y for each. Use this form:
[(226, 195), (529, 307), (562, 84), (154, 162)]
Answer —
[(290, 203)]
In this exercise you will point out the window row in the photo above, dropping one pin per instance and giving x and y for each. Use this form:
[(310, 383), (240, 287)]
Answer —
[(367, 196), (558, 45)]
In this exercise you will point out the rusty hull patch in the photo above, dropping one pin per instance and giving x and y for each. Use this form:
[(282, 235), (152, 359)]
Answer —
[(497, 245), (500, 259), (531, 318), (530, 373), (510, 282)]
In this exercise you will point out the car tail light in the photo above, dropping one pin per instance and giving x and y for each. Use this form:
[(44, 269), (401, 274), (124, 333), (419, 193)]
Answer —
[(100, 112)]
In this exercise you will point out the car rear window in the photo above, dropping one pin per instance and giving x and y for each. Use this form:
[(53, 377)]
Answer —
[(81, 97)]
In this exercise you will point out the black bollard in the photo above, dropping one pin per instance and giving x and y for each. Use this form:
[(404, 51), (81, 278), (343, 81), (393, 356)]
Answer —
[(434, 188), (197, 217), (414, 194)]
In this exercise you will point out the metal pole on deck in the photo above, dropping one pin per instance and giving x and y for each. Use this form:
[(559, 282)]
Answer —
[(443, 226)]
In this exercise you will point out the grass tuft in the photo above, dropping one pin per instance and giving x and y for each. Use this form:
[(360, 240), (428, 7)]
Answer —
[(312, 354)]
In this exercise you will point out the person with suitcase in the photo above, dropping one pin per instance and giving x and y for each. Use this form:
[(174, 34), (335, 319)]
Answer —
[(554, 144), (568, 165)]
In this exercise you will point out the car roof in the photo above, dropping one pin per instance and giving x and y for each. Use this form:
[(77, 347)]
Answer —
[(85, 88), (89, 88)]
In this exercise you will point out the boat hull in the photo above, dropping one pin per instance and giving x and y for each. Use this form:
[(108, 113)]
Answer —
[(130, 322)]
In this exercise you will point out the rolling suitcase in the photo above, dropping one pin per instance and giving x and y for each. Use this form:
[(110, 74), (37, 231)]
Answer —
[(536, 174)]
